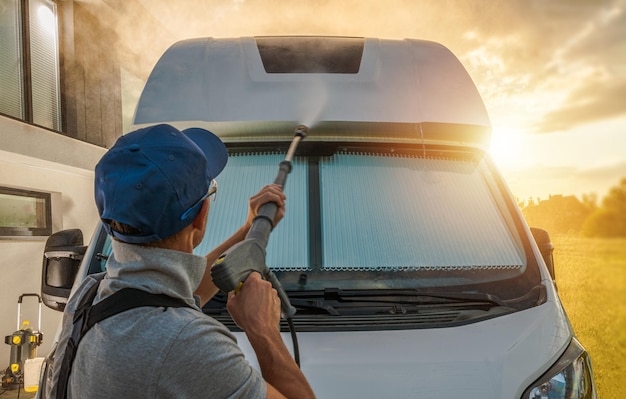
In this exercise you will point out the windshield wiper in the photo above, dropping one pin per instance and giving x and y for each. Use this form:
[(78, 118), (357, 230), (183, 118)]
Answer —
[(402, 296), (335, 301), (319, 304), (439, 297)]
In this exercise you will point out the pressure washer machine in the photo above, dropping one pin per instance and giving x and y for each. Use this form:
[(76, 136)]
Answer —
[(24, 342)]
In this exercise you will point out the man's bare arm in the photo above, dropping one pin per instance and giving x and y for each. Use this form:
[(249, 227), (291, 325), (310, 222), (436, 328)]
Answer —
[(206, 290), (256, 309)]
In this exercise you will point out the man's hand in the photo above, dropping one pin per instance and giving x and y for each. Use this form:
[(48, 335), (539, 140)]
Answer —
[(256, 307), (270, 193)]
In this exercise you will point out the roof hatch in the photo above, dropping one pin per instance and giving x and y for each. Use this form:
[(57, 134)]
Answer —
[(304, 54)]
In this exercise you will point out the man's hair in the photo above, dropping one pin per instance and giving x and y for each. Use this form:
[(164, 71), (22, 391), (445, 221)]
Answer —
[(127, 229), (122, 227)]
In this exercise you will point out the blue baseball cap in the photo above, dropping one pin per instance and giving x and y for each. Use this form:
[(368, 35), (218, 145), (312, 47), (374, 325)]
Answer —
[(154, 179)]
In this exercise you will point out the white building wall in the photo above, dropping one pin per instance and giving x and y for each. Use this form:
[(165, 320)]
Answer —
[(37, 159)]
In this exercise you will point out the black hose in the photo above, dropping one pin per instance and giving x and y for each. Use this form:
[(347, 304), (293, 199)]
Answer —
[(294, 340)]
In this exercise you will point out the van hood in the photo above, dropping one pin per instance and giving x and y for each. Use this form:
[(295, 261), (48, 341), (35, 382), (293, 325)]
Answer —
[(496, 358)]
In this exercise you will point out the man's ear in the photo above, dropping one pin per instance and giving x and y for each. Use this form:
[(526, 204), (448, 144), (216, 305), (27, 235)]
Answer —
[(199, 222)]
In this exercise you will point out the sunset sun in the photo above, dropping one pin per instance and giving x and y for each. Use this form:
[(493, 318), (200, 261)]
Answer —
[(506, 146)]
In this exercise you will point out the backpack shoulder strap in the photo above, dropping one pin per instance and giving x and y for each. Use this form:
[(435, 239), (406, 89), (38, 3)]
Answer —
[(87, 315), (72, 343), (126, 299)]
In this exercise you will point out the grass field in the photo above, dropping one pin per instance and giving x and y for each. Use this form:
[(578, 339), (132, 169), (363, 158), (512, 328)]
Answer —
[(591, 278)]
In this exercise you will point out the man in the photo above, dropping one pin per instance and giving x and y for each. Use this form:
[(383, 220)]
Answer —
[(152, 191)]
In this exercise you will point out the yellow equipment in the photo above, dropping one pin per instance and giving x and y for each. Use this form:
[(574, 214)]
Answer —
[(24, 342)]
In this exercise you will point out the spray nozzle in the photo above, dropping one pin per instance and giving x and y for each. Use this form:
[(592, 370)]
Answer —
[(299, 134), (301, 131)]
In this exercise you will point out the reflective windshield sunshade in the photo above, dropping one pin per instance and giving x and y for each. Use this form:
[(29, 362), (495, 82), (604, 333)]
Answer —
[(243, 177), (363, 212), (408, 213)]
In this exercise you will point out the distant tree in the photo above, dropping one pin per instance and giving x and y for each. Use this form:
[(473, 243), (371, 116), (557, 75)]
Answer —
[(590, 200), (610, 219), (557, 214), (525, 204)]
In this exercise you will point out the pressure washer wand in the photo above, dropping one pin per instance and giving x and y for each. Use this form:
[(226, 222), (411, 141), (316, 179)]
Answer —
[(233, 267), (264, 220)]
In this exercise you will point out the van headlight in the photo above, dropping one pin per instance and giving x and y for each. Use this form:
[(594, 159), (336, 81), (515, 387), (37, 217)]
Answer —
[(570, 377)]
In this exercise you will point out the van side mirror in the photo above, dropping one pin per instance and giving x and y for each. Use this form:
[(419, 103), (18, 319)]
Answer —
[(542, 238), (61, 259)]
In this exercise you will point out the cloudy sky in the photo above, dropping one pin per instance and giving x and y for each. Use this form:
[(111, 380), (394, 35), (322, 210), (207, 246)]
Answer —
[(552, 72)]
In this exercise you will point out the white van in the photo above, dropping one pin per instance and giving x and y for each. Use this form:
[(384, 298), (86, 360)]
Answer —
[(411, 268)]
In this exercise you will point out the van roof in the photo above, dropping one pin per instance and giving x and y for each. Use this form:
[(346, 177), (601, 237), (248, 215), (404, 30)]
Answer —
[(343, 88)]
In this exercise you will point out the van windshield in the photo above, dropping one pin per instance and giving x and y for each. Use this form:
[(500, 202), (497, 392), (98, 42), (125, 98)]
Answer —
[(366, 220)]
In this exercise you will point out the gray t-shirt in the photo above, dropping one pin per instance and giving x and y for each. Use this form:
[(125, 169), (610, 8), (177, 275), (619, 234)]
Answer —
[(153, 352)]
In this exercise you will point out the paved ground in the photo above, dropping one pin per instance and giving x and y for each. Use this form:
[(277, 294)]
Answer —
[(14, 394)]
